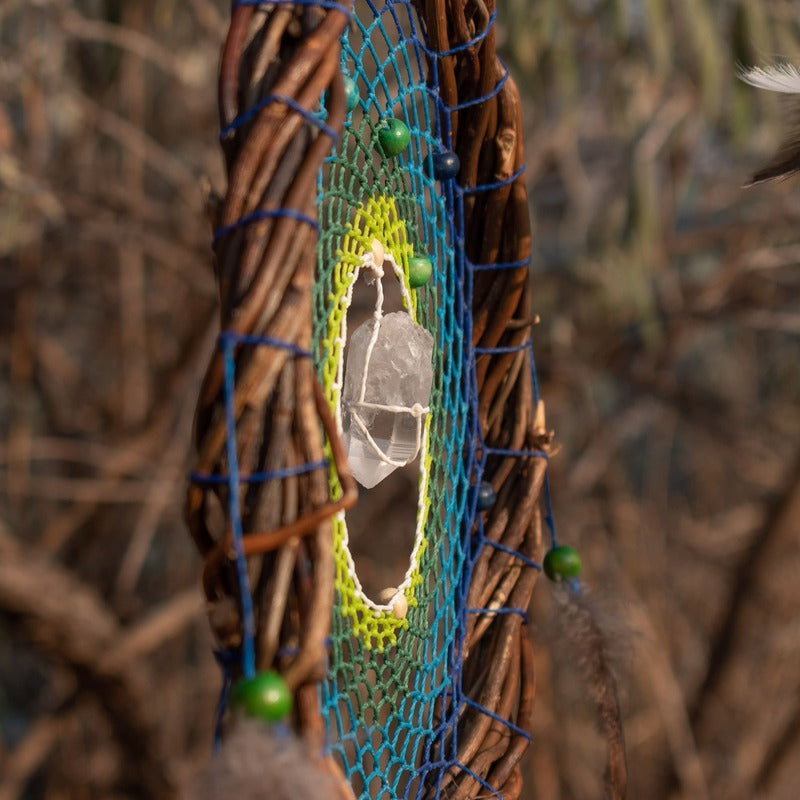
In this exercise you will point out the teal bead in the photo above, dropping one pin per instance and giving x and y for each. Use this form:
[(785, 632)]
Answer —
[(420, 269), (393, 137), (562, 563), (351, 93), (265, 696)]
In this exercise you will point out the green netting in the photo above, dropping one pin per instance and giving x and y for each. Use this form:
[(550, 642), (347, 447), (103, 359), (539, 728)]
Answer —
[(390, 673)]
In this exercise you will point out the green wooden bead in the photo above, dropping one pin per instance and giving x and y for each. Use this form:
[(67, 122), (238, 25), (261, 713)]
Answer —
[(562, 563), (265, 696), (420, 270), (393, 137), (351, 93)]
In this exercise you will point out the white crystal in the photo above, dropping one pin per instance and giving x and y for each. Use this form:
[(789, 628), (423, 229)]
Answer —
[(399, 373)]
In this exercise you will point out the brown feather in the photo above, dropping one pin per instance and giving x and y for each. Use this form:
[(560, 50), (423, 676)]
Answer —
[(786, 162), (580, 620), (257, 762)]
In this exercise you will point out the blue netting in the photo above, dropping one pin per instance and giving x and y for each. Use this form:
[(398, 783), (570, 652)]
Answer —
[(393, 714)]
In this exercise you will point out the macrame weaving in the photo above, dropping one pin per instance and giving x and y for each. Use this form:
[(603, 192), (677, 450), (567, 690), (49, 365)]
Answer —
[(426, 693)]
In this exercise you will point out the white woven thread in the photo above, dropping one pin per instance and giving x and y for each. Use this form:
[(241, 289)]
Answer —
[(373, 261)]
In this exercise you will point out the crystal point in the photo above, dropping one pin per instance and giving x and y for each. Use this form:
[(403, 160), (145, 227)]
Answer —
[(399, 375)]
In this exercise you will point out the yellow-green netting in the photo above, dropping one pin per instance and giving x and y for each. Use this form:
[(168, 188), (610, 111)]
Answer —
[(374, 624)]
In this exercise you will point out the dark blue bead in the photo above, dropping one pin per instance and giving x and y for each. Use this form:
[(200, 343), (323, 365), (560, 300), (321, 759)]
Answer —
[(486, 496), (445, 165)]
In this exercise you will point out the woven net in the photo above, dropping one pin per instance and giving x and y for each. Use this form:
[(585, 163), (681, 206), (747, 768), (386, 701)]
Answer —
[(394, 691), (427, 692), (386, 672)]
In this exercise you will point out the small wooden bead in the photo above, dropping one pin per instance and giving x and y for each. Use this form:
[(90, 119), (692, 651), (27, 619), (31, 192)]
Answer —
[(393, 137), (486, 496), (265, 696), (562, 563), (420, 269), (399, 606), (378, 253), (445, 165)]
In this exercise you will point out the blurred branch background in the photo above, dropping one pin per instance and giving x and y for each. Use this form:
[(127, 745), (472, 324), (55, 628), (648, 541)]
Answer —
[(668, 357)]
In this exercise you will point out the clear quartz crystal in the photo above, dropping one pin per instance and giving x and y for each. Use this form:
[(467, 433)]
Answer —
[(399, 373)]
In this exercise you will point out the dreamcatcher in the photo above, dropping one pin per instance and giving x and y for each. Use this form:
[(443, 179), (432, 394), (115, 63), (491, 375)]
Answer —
[(377, 145)]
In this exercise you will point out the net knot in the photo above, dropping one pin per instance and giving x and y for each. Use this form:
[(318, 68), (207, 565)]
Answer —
[(418, 411)]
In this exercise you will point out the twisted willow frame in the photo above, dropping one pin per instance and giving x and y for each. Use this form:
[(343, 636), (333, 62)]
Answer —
[(258, 505)]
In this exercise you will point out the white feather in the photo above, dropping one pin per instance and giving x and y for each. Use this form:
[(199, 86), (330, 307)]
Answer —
[(778, 78)]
